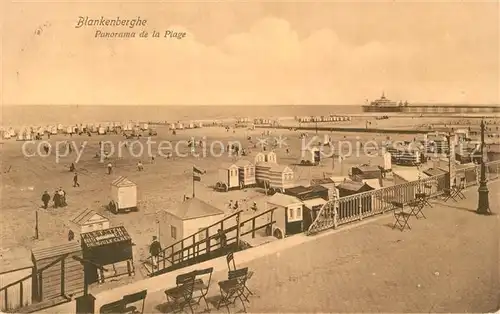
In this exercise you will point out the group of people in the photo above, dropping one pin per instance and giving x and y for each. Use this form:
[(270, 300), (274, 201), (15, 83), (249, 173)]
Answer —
[(235, 206), (59, 198)]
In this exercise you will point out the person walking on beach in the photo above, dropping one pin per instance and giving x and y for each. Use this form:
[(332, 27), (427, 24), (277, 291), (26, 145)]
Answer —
[(75, 180), (56, 199), (110, 168), (62, 197), (154, 250), (72, 167), (45, 199), (140, 167)]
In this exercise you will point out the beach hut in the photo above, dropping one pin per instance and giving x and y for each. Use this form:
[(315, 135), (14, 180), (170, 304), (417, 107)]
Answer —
[(262, 172), (246, 172), (123, 195), (88, 220), (199, 124), (61, 274), (172, 126), (288, 215), (271, 157), (101, 130), (259, 157), (53, 130), (280, 178), (60, 127), (191, 125), (228, 177), (145, 127), (186, 219), (179, 126), (409, 158), (69, 130), (110, 246), (6, 135), (366, 172)]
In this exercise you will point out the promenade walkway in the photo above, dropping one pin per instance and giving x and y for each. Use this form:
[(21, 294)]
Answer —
[(448, 262)]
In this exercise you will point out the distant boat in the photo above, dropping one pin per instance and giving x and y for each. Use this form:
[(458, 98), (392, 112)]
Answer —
[(384, 105)]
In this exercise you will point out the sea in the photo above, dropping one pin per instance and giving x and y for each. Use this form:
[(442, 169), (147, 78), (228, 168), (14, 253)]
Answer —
[(28, 115)]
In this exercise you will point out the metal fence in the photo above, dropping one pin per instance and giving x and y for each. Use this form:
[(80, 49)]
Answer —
[(356, 207)]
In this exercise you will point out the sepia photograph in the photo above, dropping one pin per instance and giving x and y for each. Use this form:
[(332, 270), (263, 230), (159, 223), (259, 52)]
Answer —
[(259, 156)]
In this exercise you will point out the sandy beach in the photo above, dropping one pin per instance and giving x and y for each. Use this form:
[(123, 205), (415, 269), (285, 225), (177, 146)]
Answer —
[(162, 184)]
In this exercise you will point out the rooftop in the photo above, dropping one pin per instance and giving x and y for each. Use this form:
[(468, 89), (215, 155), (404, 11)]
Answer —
[(283, 200), (194, 208)]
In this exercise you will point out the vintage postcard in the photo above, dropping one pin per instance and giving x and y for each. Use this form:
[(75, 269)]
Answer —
[(249, 156)]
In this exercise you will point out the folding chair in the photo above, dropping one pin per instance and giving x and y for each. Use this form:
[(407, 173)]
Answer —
[(230, 261), (113, 307), (459, 188), (242, 275), (133, 298), (416, 207), (401, 217), (182, 295), (424, 198), (450, 194), (202, 287), (233, 289)]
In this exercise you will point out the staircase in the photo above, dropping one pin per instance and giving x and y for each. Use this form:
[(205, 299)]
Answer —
[(206, 243)]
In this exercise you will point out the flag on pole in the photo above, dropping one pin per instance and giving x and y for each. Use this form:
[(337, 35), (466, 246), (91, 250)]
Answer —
[(197, 173)]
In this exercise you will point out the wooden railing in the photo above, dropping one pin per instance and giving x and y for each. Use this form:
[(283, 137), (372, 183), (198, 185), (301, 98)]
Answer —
[(356, 207), (36, 279), (13, 295), (206, 243)]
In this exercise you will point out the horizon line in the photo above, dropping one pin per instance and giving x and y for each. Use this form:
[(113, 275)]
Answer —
[(260, 105)]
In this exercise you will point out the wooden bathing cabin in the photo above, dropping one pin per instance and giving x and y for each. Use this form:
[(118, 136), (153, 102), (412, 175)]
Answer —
[(274, 177), (89, 220), (123, 195), (351, 207), (228, 177), (366, 172), (288, 215), (246, 173)]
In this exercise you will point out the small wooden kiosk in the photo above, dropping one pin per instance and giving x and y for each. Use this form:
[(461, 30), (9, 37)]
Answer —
[(123, 195), (112, 247), (60, 275), (246, 173), (88, 220)]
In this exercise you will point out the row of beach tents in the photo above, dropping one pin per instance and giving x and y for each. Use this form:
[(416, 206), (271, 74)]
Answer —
[(330, 118), (27, 133)]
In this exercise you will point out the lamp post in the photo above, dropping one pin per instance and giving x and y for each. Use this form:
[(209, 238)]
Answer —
[(483, 206)]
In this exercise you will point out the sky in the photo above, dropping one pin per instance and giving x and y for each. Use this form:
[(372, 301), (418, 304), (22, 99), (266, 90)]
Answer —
[(259, 53)]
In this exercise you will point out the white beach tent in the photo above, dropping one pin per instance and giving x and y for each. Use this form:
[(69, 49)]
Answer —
[(53, 130), (200, 124), (180, 126), (172, 126), (101, 130), (60, 127)]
